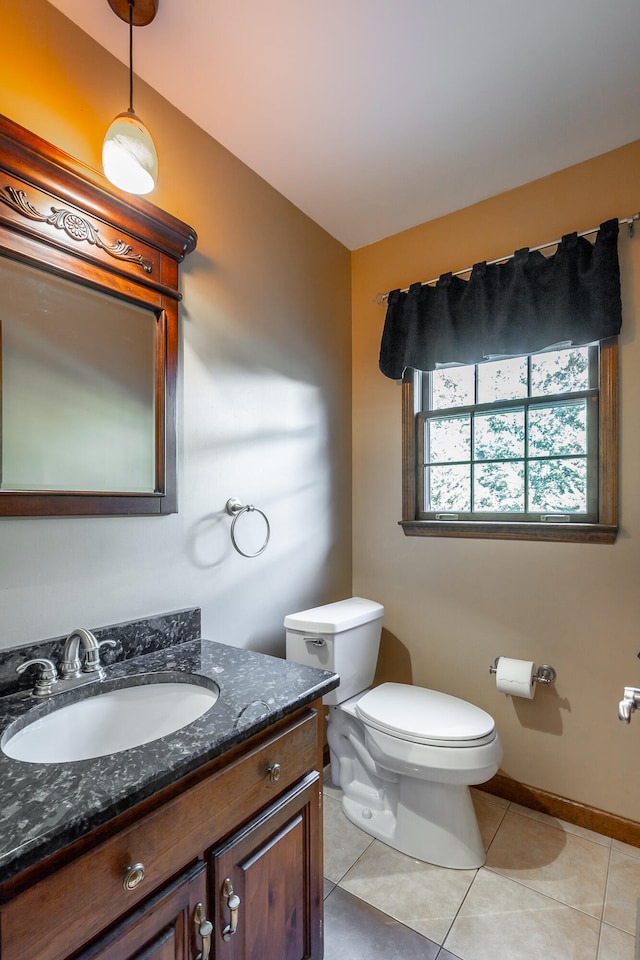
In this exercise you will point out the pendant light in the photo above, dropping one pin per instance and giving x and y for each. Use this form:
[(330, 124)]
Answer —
[(129, 157)]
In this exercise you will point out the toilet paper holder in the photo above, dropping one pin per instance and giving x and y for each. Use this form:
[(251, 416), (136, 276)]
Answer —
[(544, 673)]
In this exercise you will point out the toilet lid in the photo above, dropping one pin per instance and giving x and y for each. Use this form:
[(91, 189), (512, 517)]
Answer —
[(425, 716)]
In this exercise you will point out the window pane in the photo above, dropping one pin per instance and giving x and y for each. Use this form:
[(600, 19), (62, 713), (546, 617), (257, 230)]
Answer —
[(558, 486), (502, 380), (558, 429), (447, 489), (452, 387), (489, 451), (560, 371), (499, 436), (499, 488), (447, 439)]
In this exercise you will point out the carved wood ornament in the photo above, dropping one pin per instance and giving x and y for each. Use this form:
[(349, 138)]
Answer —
[(75, 227)]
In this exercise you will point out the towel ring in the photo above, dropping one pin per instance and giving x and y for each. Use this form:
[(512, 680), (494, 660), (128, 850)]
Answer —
[(235, 509)]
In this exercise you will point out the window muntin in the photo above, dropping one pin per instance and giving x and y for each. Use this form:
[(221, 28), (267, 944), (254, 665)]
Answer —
[(511, 439)]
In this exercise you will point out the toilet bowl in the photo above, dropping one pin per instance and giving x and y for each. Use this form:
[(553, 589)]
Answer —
[(404, 756)]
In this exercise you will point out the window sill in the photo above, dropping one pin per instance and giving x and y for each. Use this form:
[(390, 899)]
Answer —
[(481, 530)]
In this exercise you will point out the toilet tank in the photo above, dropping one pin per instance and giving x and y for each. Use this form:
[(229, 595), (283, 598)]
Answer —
[(343, 637)]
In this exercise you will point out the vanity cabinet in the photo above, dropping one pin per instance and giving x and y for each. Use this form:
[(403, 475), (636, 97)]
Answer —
[(237, 843)]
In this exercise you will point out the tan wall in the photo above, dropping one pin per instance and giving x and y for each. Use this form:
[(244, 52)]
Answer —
[(265, 393), (452, 606)]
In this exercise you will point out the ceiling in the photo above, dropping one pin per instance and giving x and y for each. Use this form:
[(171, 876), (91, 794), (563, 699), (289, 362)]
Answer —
[(373, 116)]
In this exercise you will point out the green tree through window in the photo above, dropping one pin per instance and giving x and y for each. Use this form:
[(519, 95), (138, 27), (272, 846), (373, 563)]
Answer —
[(514, 441)]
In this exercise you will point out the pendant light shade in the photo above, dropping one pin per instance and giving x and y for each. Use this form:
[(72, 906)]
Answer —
[(129, 157)]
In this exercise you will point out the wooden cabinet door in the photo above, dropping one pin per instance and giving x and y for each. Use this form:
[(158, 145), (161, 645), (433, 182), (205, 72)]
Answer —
[(274, 866), (165, 927)]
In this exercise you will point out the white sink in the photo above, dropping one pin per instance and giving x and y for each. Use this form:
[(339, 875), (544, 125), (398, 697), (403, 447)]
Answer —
[(110, 722)]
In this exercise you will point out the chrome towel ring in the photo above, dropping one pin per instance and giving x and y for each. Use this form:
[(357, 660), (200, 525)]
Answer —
[(235, 509)]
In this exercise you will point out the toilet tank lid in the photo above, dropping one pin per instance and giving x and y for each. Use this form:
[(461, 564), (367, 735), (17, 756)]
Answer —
[(335, 617)]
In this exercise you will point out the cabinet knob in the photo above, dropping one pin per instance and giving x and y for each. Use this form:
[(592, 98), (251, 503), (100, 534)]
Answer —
[(133, 876), (274, 772)]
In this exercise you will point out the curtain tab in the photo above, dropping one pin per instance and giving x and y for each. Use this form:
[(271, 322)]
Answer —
[(394, 296), (609, 228)]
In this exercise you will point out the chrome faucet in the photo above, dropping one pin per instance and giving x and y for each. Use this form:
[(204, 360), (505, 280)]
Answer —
[(630, 703), (72, 667), (74, 670)]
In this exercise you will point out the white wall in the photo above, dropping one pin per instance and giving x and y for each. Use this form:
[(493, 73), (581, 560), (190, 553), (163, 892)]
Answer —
[(264, 392)]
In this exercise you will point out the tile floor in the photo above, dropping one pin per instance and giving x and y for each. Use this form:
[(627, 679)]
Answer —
[(549, 891)]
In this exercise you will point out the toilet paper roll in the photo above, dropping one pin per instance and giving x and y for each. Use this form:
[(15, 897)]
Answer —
[(516, 677)]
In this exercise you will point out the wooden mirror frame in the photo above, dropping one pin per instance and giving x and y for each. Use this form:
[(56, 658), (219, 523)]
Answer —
[(59, 215)]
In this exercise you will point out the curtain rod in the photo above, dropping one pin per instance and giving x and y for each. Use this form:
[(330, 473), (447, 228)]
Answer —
[(383, 297)]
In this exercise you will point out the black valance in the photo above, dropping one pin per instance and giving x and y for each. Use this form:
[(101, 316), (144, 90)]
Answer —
[(516, 307)]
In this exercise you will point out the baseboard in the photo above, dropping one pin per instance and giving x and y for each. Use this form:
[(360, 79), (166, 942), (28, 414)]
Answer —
[(609, 824)]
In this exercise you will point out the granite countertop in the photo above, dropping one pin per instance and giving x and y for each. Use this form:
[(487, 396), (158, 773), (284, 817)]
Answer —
[(47, 806)]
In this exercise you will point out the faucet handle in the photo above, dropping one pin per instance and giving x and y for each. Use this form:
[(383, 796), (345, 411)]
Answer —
[(92, 657), (46, 678)]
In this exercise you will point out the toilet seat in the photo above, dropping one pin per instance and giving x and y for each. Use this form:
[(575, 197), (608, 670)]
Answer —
[(419, 715)]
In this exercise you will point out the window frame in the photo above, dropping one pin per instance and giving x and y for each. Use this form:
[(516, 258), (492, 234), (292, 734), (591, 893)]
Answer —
[(603, 531)]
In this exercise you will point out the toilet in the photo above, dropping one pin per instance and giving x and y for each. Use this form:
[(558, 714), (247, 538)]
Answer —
[(404, 756)]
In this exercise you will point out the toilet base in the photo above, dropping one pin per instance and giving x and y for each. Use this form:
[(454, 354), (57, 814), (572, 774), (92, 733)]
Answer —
[(429, 819), (434, 822)]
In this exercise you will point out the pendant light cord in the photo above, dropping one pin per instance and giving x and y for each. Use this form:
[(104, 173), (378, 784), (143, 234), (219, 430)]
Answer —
[(131, 4)]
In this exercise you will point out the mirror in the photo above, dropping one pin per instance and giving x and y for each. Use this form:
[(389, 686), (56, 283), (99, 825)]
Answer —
[(77, 407), (88, 339)]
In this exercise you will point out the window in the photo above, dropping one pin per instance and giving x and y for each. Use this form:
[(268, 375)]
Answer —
[(517, 448)]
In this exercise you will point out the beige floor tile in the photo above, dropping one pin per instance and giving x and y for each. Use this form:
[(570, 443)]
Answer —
[(489, 797), (354, 930), (343, 841), (490, 816), (558, 864), (562, 825), (503, 920), (616, 945), (420, 895), (627, 848), (623, 892), (540, 895)]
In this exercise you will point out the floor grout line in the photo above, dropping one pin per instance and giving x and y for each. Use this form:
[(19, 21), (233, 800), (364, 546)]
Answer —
[(351, 866), (450, 927)]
